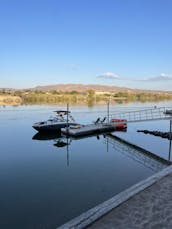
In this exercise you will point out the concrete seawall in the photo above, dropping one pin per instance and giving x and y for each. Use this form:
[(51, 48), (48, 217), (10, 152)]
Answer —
[(150, 208), (97, 212)]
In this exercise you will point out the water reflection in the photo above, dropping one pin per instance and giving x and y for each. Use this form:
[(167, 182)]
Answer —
[(134, 154), (61, 143), (59, 140), (47, 136)]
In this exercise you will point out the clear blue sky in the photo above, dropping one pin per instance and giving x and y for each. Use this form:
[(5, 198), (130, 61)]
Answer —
[(111, 42)]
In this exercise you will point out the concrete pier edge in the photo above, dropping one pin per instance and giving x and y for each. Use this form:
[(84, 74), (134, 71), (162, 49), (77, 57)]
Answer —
[(96, 212)]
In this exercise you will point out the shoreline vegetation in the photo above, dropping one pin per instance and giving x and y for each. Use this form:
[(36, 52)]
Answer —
[(89, 97)]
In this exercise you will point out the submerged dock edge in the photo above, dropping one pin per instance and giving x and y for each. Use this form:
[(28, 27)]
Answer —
[(95, 213)]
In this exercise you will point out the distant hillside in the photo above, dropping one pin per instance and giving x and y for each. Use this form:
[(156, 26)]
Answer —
[(80, 94), (81, 88), (84, 88)]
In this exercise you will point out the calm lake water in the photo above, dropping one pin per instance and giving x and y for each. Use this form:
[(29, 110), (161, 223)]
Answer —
[(47, 180)]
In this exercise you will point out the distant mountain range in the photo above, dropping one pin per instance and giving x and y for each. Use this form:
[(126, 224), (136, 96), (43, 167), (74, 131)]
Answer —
[(85, 87), (95, 87), (81, 88)]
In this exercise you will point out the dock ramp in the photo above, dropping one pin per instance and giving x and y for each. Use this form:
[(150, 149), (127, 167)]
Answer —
[(152, 114)]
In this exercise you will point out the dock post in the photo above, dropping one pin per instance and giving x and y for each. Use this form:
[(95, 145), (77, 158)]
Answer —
[(67, 118), (108, 111), (170, 139)]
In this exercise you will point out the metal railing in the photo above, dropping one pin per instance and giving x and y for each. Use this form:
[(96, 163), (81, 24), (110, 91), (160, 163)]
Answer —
[(144, 115)]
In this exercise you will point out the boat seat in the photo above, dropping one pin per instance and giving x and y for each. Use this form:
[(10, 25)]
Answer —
[(103, 120), (97, 121)]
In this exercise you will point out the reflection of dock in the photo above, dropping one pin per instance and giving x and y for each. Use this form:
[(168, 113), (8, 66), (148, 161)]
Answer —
[(88, 129), (137, 153)]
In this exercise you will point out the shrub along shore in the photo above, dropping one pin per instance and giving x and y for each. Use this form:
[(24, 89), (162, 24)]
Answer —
[(90, 97)]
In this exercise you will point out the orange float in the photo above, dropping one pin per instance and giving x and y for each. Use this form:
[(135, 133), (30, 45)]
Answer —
[(119, 123)]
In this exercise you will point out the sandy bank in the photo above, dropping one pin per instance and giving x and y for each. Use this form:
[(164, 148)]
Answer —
[(10, 100)]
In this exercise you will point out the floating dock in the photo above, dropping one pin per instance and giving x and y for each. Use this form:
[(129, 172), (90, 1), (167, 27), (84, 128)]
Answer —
[(83, 130)]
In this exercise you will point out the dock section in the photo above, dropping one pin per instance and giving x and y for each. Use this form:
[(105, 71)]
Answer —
[(150, 208), (139, 206), (83, 130)]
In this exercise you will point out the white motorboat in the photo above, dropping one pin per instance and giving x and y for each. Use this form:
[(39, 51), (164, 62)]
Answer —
[(61, 120)]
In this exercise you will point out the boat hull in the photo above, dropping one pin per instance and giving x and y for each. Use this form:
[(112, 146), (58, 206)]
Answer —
[(51, 127)]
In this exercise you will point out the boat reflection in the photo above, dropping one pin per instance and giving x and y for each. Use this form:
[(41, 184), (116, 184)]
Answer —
[(46, 136), (61, 140), (58, 139), (61, 143)]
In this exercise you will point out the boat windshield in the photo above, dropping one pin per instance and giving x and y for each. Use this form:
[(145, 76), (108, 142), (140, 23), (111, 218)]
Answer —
[(61, 113)]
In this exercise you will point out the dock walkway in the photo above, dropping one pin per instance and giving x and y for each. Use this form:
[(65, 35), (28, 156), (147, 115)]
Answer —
[(88, 129), (145, 205), (151, 208), (152, 114)]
